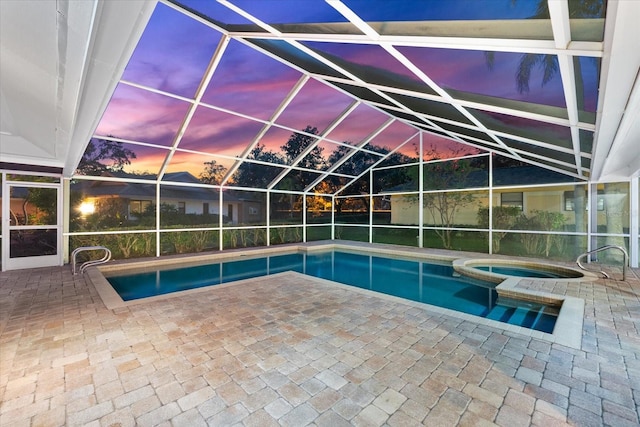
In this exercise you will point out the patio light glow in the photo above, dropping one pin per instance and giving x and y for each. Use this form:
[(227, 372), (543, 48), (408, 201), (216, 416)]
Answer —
[(87, 207)]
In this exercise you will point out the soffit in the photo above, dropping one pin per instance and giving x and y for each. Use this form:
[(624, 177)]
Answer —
[(60, 62)]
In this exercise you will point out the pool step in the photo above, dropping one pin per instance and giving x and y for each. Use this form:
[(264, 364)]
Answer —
[(515, 315), (500, 313), (524, 316)]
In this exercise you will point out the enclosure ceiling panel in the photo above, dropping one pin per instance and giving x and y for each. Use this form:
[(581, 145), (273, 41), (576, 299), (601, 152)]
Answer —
[(239, 84), (520, 79)]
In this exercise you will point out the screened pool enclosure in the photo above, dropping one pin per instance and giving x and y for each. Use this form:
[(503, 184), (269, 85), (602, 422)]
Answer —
[(462, 125)]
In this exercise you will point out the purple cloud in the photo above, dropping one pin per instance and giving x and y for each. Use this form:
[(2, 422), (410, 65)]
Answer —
[(142, 116)]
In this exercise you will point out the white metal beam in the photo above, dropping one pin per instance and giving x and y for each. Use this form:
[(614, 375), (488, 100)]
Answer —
[(256, 140), (559, 12), (309, 148), (370, 32), (356, 149), (542, 47), (202, 87), (618, 79)]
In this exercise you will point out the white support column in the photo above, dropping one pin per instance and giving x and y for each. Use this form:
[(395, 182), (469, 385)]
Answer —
[(490, 203), (592, 219), (267, 216), (304, 218), (333, 217), (370, 205), (4, 227), (157, 218), (421, 194), (220, 221), (634, 221), (66, 213)]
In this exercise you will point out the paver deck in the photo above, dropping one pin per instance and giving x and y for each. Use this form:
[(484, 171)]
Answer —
[(294, 351)]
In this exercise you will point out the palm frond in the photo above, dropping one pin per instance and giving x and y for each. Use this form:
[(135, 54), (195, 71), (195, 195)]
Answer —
[(549, 64), (523, 73), (490, 59)]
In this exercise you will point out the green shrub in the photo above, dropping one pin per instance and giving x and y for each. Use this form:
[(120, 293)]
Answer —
[(504, 218)]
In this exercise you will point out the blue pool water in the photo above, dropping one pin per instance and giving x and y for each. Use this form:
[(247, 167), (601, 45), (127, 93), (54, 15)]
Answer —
[(414, 280)]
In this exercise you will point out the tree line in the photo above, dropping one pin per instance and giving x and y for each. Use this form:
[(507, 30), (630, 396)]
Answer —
[(108, 156)]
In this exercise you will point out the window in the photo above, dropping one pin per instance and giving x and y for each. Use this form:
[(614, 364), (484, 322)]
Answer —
[(512, 199), (182, 208), (205, 208), (253, 211), (569, 202), (138, 206)]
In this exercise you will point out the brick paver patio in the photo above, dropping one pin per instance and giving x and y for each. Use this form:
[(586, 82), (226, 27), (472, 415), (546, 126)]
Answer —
[(293, 351)]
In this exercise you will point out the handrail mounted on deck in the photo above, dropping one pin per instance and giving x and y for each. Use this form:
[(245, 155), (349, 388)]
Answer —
[(87, 264), (603, 248)]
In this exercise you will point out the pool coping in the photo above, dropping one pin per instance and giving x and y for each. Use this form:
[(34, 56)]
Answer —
[(567, 331), (466, 266)]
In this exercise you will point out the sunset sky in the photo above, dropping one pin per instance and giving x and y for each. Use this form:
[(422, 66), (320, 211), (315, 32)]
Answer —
[(175, 50)]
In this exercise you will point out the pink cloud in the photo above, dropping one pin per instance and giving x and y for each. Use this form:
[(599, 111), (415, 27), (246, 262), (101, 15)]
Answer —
[(220, 133), (194, 163), (394, 135), (469, 71), (316, 105), (173, 52), (142, 116), (358, 125), (249, 82)]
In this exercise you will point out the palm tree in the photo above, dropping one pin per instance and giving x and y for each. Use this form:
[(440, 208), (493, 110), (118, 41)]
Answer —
[(549, 64)]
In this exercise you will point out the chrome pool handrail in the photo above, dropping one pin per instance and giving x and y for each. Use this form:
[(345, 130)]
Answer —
[(106, 257), (602, 248)]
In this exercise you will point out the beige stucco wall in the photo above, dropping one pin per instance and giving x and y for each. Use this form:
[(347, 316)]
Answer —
[(405, 210)]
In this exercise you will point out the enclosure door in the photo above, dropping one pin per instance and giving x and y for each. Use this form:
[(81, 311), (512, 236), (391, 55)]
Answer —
[(31, 230)]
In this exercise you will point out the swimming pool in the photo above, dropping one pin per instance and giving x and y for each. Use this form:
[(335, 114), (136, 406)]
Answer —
[(420, 281)]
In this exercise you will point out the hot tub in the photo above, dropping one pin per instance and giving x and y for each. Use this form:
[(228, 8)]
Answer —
[(497, 270)]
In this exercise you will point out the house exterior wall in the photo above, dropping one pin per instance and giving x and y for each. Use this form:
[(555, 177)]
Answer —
[(404, 209), (250, 212), (193, 207)]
